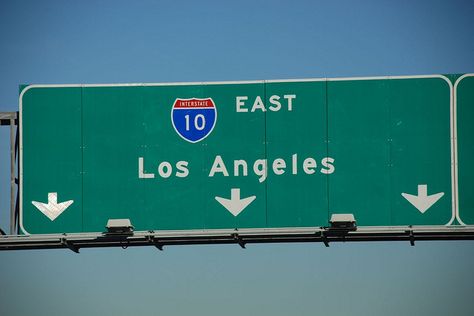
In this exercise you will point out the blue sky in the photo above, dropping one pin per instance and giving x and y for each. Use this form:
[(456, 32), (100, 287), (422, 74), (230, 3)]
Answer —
[(169, 41)]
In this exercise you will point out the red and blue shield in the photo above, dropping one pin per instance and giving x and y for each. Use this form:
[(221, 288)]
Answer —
[(194, 119)]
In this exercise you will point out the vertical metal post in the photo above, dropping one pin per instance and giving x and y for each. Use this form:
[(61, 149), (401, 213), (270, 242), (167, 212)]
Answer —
[(12, 176)]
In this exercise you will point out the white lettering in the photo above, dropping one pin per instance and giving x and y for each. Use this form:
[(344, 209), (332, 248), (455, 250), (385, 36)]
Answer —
[(279, 166), (141, 172), (290, 97), (239, 103), (242, 163), (308, 165), (260, 169), (275, 103), (294, 160), (258, 104), (274, 100), (182, 169), (165, 169), (218, 166), (328, 163)]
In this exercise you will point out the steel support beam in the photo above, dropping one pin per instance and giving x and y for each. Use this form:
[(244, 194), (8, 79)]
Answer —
[(159, 239), (11, 118)]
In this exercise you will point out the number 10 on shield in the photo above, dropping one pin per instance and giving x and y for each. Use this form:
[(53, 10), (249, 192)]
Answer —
[(194, 119)]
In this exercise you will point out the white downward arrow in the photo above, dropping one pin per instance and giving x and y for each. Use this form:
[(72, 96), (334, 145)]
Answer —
[(422, 201), (235, 205), (53, 209)]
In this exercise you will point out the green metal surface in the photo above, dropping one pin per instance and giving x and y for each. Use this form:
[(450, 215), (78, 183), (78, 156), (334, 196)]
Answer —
[(110, 182), (465, 134), (359, 140), (420, 148), (296, 197), (329, 146), (52, 147)]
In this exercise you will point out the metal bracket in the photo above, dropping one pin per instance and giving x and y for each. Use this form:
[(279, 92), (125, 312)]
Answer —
[(324, 238), (239, 240), (155, 242), (412, 237), (69, 245)]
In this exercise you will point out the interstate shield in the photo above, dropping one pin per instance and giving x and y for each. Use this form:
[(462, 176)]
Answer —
[(194, 119)]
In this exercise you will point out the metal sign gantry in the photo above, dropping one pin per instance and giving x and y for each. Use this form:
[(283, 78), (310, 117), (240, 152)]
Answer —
[(242, 162), (11, 119), (325, 235)]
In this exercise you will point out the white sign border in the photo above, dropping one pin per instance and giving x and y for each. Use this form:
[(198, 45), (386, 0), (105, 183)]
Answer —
[(453, 118)]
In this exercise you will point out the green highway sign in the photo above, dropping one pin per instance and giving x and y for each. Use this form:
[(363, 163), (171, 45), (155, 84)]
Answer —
[(464, 129), (256, 154)]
